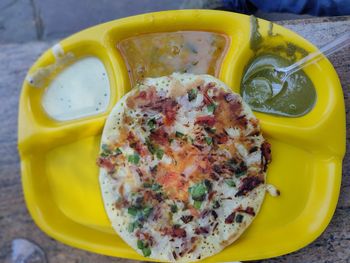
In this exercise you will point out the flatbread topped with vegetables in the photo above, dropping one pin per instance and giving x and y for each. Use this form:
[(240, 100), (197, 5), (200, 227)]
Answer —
[(183, 166)]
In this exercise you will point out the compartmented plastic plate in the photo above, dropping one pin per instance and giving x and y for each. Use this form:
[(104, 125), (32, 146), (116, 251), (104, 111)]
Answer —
[(60, 177)]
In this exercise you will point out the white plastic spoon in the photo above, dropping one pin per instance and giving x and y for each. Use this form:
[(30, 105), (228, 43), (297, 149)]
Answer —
[(284, 72)]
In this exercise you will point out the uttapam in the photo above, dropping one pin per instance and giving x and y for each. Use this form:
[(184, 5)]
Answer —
[(182, 167)]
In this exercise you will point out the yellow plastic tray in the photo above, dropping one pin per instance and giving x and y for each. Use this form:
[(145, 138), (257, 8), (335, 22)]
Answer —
[(60, 178)]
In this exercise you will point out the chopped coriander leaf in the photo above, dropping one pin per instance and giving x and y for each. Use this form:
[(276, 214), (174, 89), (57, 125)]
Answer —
[(209, 140), (198, 192), (151, 148), (231, 163), (159, 153), (141, 213), (179, 134), (151, 124), (156, 187), (138, 202), (211, 108), (239, 218), (191, 139), (105, 150), (154, 169), (239, 169), (104, 154), (208, 184), (230, 183), (140, 244), (132, 211), (171, 140), (131, 227), (117, 151), (192, 94), (147, 211), (105, 147), (147, 185), (197, 204), (173, 208), (239, 173), (216, 205), (146, 251), (134, 158), (210, 130)]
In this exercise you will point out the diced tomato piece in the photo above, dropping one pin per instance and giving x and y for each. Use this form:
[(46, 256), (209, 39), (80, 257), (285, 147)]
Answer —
[(221, 138), (174, 185), (193, 211), (142, 95), (105, 163), (131, 136), (248, 183), (207, 100), (206, 120), (144, 236), (160, 136), (211, 195), (201, 230), (174, 232), (169, 109), (204, 164), (266, 151), (143, 98), (178, 232), (147, 95), (249, 210), (136, 144), (229, 219)]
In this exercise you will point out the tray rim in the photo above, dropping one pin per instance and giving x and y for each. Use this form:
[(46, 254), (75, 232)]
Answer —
[(45, 227)]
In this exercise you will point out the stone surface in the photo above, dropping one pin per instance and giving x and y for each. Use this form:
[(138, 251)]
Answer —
[(64, 17), (28, 20), (15, 222), (17, 21)]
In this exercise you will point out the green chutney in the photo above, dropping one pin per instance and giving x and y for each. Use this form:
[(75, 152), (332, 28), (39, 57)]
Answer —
[(261, 88)]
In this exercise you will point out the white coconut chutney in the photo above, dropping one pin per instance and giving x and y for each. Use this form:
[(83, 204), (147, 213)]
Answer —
[(82, 89)]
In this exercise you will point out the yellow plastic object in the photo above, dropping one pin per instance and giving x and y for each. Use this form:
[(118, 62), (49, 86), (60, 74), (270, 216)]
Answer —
[(60, 178)]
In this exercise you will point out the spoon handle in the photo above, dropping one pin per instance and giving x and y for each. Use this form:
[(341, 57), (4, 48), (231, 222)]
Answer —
[(326, 50)]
